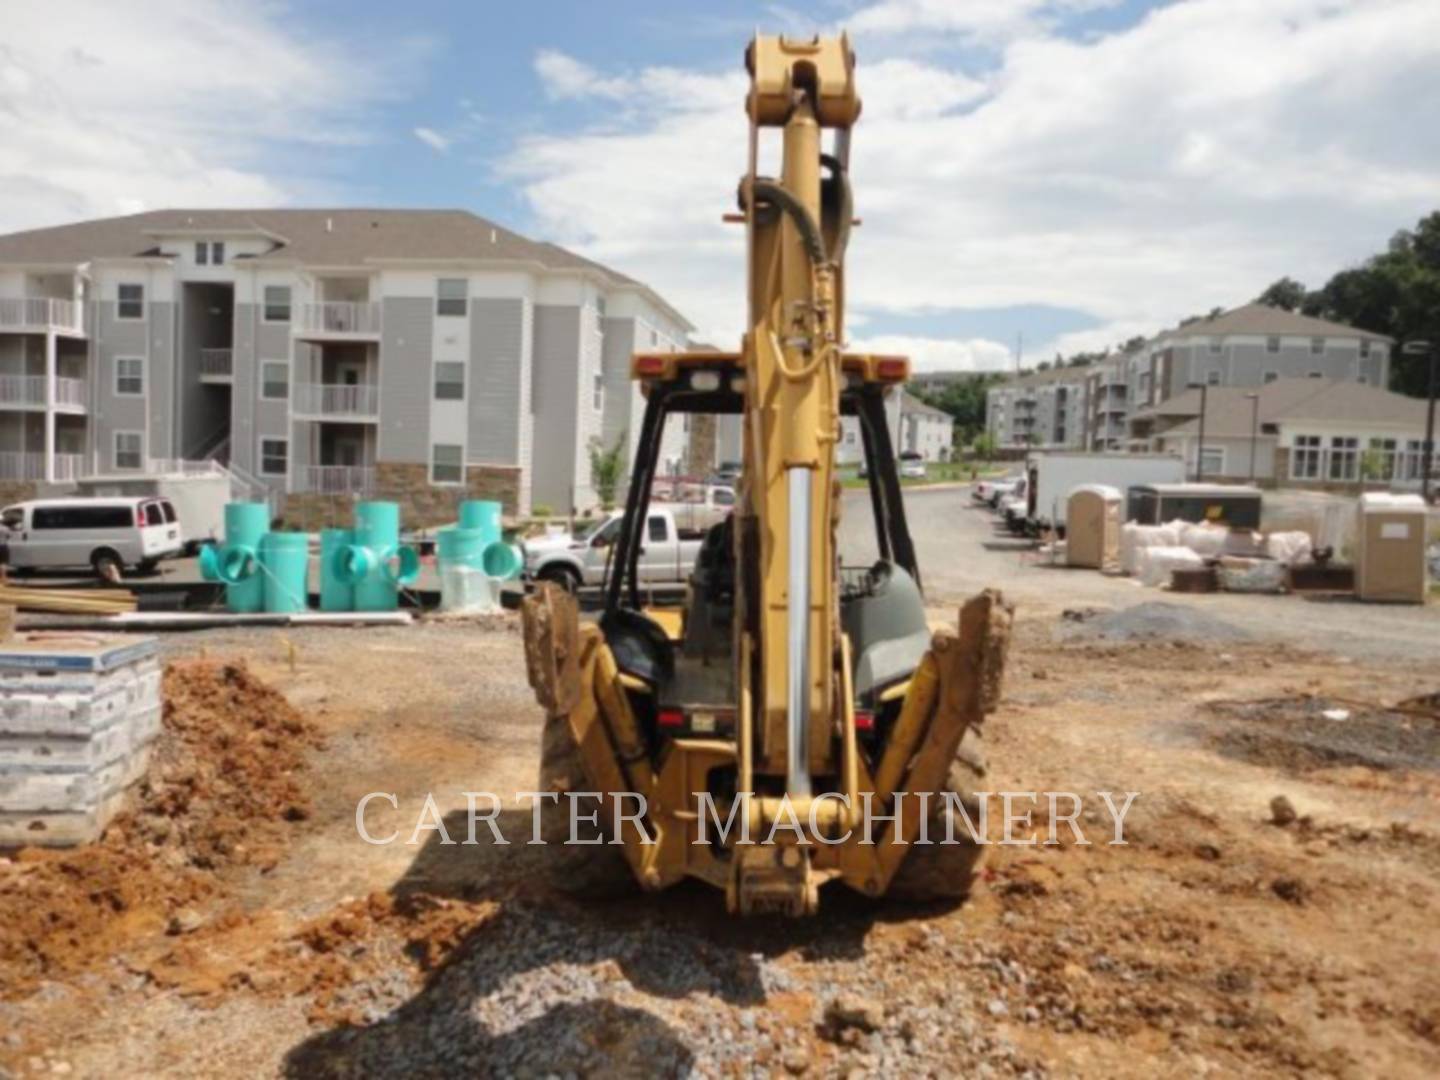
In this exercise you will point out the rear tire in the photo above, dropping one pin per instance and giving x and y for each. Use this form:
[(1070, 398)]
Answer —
[(107, 565), (594, 871), (937, 871), (563, 576)]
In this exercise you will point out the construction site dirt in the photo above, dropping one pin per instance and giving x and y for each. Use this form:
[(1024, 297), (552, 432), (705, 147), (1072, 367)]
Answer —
[(1271, 913)]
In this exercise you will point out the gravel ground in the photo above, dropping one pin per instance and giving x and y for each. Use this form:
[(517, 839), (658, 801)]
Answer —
[(1216, 941)]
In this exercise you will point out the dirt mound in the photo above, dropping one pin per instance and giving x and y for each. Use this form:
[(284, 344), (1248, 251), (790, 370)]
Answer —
[(223, 790), (1154, 620)]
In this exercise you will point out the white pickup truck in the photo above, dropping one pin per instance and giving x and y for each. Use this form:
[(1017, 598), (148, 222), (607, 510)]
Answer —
[(667, 551)]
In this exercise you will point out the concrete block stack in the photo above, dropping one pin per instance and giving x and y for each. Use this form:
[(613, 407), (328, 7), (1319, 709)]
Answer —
[(78, 716)]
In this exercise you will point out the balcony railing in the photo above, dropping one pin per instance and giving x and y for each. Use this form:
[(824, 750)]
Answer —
[(39, 313), (339, 318), (29, 390), (217, 363), (16, 465), (337, 399), (338, 479)]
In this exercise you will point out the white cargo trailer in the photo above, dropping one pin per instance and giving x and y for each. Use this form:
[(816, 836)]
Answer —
[(1054, 474)]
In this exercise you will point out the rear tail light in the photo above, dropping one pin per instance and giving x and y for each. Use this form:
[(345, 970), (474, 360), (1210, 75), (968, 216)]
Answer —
[(892, 368), (864, 720), (139, 517), (671, 718)]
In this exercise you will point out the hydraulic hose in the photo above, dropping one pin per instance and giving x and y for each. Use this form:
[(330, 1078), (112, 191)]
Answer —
[(810, 236)]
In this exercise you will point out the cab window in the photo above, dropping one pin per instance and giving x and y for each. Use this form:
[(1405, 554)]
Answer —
[(605, 535), (168, 509), (656, 528), (153, 514)]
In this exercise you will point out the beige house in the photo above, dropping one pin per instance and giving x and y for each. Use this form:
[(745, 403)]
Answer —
[(1295, 432)]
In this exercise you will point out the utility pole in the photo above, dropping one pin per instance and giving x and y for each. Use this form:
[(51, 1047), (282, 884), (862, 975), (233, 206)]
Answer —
[(1427, 448), (1200, 448)]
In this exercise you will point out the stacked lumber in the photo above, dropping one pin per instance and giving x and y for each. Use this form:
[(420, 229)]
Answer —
[(68, 601)]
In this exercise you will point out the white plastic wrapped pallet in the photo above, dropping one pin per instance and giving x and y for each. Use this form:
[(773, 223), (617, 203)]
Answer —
[(1136, 538), (1157, 563), (1288, 548)]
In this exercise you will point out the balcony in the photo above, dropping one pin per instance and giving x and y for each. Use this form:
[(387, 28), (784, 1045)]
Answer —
[(36, 315), (15, 465), (338, 321), (217, 366), (338, 401), (337, 479), (28, 392)]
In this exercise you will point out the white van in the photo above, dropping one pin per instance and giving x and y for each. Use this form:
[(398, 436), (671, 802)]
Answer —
[(106, 535)]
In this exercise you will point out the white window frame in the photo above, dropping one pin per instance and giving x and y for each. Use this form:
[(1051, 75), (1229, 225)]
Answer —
[(1344, 458), (597, 394), (1212, 377), (464, 301), (1364, 349), (266, 305), (139, 437), (1266, 378), (261, 455), (1317, 346), (1272, 344), (217, 253), (461, 465), (264, 381), (1216, 346), (1202, 452), (119, 360), (202, 253), (120, 301), (435, 381), (1301, 450)]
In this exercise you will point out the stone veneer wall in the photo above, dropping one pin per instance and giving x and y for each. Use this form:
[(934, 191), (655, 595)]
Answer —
[(422, 505), (14, 491)]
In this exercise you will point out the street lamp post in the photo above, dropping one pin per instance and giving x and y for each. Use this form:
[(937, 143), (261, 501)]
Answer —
[(1427, 450), (1200, 449), (1254, 430)]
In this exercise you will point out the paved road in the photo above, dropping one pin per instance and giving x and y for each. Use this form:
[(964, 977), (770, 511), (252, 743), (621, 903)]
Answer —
[(961, 550)]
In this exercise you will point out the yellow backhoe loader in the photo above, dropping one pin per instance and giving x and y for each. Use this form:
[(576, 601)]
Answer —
[(799, 722)]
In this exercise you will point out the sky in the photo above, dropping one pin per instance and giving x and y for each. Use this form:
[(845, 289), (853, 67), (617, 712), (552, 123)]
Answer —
[(1053, 175)]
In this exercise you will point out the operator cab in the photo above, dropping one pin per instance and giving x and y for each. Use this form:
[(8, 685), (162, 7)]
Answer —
[(684, 684)]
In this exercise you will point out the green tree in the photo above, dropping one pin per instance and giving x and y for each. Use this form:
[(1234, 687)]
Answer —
[(964, 399), (606, 468), (983, 446), (1287, 293)]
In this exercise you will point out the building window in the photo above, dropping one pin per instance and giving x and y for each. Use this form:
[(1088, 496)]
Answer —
[(129, 376), (217, 253), (1344, 455), (1382, 457), (452, 296), (1212, 378), (598, 394), (1305, 458), (1364, 350), (1272, 345), (1212, 460), (1317, 374), (277, 303), (130, 302), (1317, 346), (1271, 376), (274, 457), (274, 380), (447, 464), (129, 450), (449, 380), (1215, 345), (202, 253), (600, 307)]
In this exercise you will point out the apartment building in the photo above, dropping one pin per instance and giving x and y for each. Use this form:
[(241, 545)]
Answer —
[(1302, 432), (1042, 410), (421, 355), (1248, 347)]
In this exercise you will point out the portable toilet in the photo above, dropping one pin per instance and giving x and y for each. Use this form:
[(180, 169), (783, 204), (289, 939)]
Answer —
[(1093, 515), (1390, 548)]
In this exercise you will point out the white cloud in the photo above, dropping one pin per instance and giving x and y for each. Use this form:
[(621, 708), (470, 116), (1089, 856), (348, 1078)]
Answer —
[(981, 20), (940, 354), (193, 103), (1146, 174), (432, 138)]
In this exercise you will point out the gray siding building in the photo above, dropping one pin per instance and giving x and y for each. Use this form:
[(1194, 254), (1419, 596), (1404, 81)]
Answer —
[(319, 354)]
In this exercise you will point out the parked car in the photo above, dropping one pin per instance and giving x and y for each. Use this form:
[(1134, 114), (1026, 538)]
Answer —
[(667, 553), (912, 466), (106, 534), (984, 490)]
